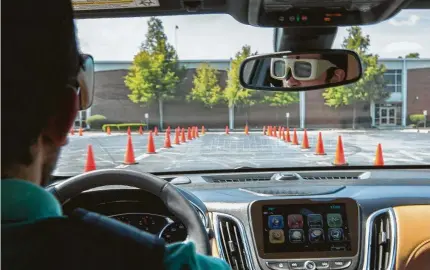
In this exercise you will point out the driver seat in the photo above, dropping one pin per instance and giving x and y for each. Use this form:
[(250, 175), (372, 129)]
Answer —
[(84, 240)]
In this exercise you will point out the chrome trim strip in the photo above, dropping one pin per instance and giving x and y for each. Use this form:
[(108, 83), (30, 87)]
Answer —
[(393, 236), (218, 239)]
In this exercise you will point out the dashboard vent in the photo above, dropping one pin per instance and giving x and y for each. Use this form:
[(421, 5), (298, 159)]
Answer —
[(231, 242), (330, 178), (381, 240), (237, 178), (334, 175)]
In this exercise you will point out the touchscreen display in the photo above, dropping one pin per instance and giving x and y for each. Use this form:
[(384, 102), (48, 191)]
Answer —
[(306, 228)]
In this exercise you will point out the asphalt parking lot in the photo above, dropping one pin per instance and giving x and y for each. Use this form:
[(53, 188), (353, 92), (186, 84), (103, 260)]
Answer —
[(220, 151)]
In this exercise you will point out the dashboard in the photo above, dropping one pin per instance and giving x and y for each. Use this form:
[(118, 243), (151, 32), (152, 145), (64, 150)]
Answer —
[(366, 219)]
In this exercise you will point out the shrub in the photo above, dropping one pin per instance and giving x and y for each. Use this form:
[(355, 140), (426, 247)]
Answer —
[(123, 126), (95, 117), (96, 121), (415, 118)]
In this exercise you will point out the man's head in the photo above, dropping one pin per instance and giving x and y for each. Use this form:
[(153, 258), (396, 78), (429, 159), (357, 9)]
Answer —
[(330, 75), (39, 100)]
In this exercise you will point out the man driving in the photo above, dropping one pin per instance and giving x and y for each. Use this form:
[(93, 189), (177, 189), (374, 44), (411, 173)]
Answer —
[(307, 70), (41, 64)]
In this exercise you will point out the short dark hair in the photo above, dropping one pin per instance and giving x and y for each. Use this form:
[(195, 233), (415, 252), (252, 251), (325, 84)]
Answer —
[(39, 56), (340, 60)]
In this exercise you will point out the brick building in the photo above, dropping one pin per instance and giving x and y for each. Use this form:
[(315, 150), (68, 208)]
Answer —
[(408, 84)]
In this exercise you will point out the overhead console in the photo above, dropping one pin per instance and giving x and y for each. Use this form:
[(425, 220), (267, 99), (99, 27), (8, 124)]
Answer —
[(317, 13), (306, 233)]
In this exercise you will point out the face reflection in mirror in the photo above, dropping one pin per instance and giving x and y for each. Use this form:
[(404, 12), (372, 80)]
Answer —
[(327, 71)]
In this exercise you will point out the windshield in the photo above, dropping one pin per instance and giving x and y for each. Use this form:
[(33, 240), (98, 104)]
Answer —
[(178, 75)]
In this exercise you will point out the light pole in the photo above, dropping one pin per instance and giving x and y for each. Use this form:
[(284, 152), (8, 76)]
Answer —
[(176, 40)]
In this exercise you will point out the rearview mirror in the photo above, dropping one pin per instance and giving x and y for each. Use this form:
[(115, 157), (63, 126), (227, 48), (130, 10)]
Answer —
[(297, 71), (86, 82)]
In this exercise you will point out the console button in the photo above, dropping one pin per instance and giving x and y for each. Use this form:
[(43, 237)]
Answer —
[(309, 265), (340, 264), (277, 265), (297, 265), (322, 264)]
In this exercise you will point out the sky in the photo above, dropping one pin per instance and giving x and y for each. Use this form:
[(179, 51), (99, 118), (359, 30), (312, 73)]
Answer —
[(220, 36)]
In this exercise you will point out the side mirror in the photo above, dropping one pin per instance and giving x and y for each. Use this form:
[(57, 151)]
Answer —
[(297, 71), (86, 82)]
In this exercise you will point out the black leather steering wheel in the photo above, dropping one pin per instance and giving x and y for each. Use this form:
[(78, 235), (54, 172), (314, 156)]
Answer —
[(175, 202)]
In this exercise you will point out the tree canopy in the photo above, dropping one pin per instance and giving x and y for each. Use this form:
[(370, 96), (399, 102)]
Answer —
[(206, 88), (234, 93), (153, 75), (281, 99), (370, 87)]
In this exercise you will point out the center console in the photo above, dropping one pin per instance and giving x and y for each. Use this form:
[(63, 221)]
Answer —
[(306, 234)]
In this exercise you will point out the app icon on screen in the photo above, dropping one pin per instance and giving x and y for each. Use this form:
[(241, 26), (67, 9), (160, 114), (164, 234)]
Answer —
[(335, 234), (315, 221), (334, 220), (276, 236), (295, 221), (296, 236), (316, 235), (276, 222)]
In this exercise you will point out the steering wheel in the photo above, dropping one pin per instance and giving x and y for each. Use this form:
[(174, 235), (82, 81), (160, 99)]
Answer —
[(175, 202)]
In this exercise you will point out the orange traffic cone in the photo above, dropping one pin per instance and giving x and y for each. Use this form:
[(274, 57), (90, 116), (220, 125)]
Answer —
[(193, 132), (320, 146), (177, 136), (197, 132), (72, 131), (379, 159), (227, 130), (81, 132), (339, 159), (90, 164), (140, 130), (189, 135), (128, 131), (264, 130), (108, 130), (279, 132), (274, 131), (151, 145), (203, 130), (283, 135), (246, 130), (183, 136), (167, 143), (295, 139), (287, 136), (156, 131), (129, 153), (305, 142)]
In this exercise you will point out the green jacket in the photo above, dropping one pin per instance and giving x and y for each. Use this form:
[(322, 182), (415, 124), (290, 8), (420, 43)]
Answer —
[(23, 202)]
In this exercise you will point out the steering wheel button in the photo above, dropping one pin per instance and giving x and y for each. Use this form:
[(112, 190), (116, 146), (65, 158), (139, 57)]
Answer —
[(322, 264), (340, 264)]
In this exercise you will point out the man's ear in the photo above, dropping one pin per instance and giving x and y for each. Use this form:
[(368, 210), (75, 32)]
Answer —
[(338, 76), (62, 118)]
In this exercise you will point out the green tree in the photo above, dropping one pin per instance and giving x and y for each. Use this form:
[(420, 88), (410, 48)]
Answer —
[(206, 88), (153, 76), (371, 87), (235, 94), (281, 99), (413, 55)]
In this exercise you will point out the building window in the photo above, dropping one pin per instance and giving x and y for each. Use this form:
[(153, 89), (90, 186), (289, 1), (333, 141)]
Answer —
[(393, 80)]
